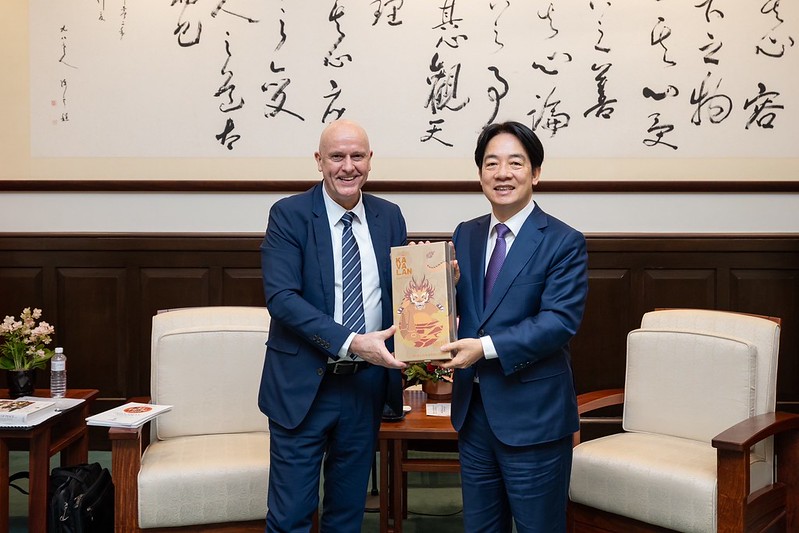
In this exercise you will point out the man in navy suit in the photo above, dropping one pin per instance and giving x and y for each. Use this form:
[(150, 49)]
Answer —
[(514, 403), (324, 385)]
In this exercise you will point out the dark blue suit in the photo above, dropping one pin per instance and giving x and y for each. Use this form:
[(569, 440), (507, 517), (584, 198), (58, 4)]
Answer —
[(295, 393), (525, 398)]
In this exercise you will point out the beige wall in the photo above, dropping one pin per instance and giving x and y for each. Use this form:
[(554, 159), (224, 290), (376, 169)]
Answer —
[(125, 212)]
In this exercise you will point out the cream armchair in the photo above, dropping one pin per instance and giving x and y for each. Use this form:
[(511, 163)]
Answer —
[(207, 461), (702, 448)]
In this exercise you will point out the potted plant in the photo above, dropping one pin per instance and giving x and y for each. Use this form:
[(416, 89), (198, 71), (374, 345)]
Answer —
[(23, 350), (436, 381)]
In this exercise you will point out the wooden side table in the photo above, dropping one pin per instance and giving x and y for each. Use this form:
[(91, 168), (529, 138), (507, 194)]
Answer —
[(394, 438), (66, 433)]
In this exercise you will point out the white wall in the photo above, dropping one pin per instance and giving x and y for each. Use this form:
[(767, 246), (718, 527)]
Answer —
[(425, 213)]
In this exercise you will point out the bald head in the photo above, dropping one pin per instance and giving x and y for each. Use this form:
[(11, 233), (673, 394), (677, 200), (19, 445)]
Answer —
[(341, 130), (344, 159)]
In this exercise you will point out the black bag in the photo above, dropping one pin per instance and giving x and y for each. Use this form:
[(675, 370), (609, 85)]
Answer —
[(81, 500)]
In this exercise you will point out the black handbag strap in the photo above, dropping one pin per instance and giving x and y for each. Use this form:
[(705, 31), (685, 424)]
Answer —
[(16, 477)]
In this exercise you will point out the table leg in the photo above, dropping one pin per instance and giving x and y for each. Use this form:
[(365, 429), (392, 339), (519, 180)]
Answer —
[(384, 484), (4, 473), (39, 466), (397, 481), (77, 452)]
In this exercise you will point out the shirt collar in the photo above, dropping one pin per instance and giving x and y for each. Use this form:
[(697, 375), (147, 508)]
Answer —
[(515, 222), (335, 211)]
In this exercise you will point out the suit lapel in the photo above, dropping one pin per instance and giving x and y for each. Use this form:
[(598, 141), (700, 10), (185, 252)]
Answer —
[(324, 248), (521, 253), (379, 236), (477, 244)]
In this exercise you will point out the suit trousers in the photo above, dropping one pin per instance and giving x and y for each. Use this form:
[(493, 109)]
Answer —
[(341, 429), (528, 485)]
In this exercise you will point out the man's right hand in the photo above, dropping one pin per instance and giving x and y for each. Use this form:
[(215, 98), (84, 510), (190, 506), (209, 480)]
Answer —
[(371, 347)]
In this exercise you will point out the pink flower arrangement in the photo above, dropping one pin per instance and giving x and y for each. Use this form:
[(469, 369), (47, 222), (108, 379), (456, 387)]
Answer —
[(24, 341)]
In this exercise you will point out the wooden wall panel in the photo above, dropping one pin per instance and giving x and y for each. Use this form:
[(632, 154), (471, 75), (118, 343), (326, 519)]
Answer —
[(92, 327), (598, 352), (774, 293), (243, 286), (101, 292), (678, 288), (21, 288)]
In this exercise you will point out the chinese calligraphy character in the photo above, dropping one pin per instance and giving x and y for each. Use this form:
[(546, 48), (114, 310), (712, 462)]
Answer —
[(718, 106), (431, 133), (393, 16), (496, 22), (671, 91), (443, 86), (660, 32), (225, 138), (660, 131), (708, 5), (603, 107), (549, 118), (336, 12), (279, 97), (495, 95), (763, 111), (227, 87), (713, 48), (333, 96)]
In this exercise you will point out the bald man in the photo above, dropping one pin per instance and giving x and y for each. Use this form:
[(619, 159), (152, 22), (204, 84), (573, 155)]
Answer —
[(327, 375)]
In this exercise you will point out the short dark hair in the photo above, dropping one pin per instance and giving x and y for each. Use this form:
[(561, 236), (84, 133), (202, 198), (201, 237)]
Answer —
[(526, 136)]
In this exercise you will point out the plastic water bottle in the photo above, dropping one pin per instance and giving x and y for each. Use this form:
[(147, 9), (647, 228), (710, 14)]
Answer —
[(58, 374)]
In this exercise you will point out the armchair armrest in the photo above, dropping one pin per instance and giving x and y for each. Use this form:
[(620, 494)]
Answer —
[(593, 400), (749, 432), (127, 446), (763, 506)]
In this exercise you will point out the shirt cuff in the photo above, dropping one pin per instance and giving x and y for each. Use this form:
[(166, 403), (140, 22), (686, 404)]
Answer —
[(489, 352), (345, 348)]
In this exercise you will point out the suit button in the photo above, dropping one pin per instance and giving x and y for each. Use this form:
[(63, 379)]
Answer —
[(481, 333), (320, 371)]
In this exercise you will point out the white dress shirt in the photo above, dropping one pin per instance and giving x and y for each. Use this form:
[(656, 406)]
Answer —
[(370, 279), (514, 224)]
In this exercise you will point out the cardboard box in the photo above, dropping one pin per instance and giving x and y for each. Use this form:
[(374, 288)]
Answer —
[(423, 301)]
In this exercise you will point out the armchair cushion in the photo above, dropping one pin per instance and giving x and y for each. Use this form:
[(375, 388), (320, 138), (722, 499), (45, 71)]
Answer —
[(204, 480), (662, 480), (669, 374), (209, 372)]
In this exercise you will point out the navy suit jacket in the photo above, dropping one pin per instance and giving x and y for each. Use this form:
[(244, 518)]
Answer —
[(297, 265), (535, 308)]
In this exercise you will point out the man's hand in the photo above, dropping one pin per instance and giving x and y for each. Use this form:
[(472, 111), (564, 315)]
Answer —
[(456, 270), (465, 353), (371, 347)]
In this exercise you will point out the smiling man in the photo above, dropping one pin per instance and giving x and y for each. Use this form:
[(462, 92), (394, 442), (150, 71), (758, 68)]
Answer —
[(521, 296), (329, 368)]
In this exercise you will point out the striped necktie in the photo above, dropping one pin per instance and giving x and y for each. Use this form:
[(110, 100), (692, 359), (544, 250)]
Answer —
[(496, 260), (352, 291)]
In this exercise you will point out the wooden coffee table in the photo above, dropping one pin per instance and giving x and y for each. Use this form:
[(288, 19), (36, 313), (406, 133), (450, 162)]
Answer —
[(394, 440), (66, 433)]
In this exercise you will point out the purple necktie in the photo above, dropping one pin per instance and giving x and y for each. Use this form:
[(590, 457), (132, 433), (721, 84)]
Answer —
[(495, 263)]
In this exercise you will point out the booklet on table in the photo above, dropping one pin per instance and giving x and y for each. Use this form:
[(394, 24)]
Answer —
[(130, 415)]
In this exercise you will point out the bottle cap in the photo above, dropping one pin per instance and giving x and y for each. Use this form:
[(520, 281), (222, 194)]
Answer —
[(59, 350)]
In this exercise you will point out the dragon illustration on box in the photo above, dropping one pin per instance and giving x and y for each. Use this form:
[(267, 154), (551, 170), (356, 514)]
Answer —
[(422, 318)]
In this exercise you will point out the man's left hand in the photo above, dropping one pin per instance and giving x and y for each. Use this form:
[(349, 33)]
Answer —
[(465, 353)]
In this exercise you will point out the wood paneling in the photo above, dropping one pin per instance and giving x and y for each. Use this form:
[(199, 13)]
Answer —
[(101, 292)]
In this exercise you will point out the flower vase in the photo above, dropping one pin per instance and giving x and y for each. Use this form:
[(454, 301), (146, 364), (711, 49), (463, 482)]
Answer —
[(437, 390), (21, 382)]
